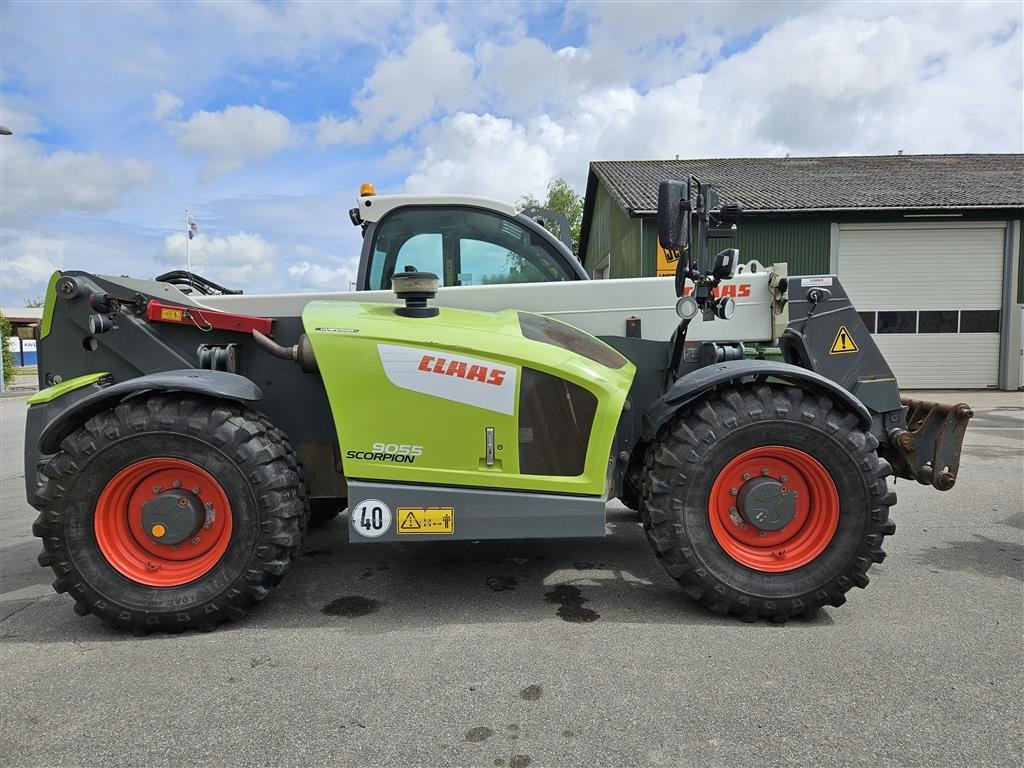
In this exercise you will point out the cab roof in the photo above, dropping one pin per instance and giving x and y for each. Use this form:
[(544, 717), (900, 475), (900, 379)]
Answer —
[(374, 207)]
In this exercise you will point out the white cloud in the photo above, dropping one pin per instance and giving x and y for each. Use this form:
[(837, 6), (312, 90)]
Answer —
[(862, 81), (431, 75), (36, 183), (32, 258), (235, 136), (482, 155), (165, 105), (334, 275), (234, 259)]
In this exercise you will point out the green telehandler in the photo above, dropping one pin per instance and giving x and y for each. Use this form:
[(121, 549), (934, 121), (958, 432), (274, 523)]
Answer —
[(476, 386)]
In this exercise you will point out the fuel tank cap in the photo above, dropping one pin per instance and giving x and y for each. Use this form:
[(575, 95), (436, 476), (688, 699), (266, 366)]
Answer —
[(415, 288)]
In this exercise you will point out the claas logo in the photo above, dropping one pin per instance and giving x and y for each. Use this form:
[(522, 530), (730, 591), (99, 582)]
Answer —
[(736, 291), (462, 370)]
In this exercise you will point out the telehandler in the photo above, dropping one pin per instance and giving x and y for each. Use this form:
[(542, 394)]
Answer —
[(477, 386)]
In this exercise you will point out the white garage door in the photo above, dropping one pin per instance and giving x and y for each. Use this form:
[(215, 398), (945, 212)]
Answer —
[(930, 292)]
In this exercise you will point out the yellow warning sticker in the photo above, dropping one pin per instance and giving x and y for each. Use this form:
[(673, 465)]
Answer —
[(844, 343), (430, 520), (172, 314)]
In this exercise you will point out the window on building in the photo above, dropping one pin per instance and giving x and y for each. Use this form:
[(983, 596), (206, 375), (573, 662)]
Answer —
[(979, 321), (897, 322), (939, 321)]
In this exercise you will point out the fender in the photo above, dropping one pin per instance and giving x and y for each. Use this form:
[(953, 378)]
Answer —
[(75, 408), (696, 385)]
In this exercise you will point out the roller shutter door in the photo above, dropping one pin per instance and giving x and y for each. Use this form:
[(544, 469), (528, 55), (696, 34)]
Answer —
[(931, 293)]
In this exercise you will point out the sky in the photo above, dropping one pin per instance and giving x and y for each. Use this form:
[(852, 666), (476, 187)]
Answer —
[(263, 118)]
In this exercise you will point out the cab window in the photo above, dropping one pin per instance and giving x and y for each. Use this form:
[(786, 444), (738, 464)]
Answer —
[(462, 246)]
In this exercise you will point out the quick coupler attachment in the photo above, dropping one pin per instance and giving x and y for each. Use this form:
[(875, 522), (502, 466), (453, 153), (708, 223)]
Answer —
[(928, 450)]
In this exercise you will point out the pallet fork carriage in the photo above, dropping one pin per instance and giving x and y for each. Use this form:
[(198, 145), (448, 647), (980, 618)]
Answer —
[(185, 435)]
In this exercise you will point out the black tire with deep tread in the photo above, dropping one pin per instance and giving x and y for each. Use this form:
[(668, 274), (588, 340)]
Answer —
[(254, 464), (691, 450), (279, 437)]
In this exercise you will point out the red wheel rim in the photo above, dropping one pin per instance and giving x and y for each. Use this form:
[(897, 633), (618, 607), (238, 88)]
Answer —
[(802, 539), (124, 542)]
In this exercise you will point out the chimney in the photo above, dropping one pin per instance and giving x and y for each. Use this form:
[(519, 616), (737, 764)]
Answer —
[(900, 153)]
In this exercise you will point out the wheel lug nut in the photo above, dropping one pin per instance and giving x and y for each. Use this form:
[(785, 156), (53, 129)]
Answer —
[(175, 546), (195, 490), (152, 566), (208, 505), (207, 526), (762, 534), (779, 553), (764, 471), (746, 475), (157, 489), (734, 491), (195, 540), (176, 483), (783, 490), (182, 502), (784, 478)]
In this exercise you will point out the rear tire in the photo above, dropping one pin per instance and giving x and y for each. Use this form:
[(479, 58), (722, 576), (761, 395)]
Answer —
[(100, 551), (724, 560)]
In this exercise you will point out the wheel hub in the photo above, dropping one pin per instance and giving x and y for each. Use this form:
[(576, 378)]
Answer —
[(766, 504), (773, 508), (163, 538), (173, 517)]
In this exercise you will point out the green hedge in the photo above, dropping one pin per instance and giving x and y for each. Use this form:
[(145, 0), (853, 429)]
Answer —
[(5, 334)]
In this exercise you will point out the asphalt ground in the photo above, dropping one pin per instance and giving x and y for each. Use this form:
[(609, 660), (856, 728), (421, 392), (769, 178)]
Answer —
[(544, 653)]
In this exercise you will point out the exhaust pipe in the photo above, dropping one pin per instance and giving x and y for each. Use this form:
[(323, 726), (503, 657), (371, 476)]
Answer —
[(301, 353)]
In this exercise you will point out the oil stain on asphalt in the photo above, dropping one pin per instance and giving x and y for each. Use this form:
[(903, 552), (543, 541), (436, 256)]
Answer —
[(351, 605), (984, 556), (500, 583), (570, 604), (478, 734), (531, 692)]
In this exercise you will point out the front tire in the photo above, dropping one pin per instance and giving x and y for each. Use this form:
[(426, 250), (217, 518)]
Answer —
[(221, 464), (828, 502)]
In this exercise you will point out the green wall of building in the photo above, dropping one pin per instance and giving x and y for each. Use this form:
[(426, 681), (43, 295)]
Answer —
[(803, 244), (613, 234), (631, 242)]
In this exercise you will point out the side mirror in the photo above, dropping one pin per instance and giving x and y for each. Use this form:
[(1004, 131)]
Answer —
[(673, 214), (726, 263)]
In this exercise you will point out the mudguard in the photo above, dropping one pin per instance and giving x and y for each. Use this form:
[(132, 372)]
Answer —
[(67, 413), (695, 385)]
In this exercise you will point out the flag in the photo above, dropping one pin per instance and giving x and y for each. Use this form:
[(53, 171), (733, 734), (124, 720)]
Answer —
[(192, 229)]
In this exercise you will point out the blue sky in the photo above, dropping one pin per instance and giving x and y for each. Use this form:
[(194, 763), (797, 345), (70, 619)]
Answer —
[(264, 118)]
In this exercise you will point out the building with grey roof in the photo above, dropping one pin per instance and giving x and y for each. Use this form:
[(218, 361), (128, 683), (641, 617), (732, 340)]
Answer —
[(928, 246)]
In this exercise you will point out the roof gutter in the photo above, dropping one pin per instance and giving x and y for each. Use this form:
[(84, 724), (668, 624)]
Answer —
[(859, 209)]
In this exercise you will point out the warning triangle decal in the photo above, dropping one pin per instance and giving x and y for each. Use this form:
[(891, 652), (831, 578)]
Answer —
[(410, 523), (844, 342)]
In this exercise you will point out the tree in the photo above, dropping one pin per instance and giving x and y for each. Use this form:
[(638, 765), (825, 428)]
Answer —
[(562, 198), (35, 301), (8, 357)]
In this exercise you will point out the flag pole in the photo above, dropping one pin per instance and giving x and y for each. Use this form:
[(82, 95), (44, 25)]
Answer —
[(188, 253)]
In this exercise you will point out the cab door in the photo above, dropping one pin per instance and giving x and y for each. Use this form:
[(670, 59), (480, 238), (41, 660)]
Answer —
[(464, 246)]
